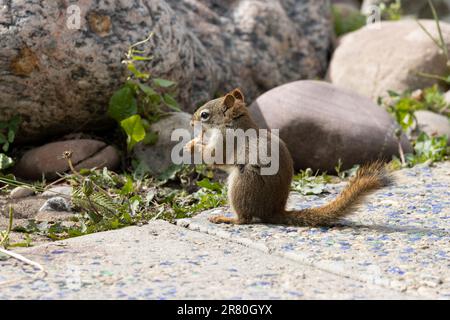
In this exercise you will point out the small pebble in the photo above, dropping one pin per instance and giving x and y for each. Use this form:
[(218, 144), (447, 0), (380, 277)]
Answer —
[(21, 192)]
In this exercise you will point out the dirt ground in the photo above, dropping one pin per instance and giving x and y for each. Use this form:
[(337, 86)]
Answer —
[(25, 209)]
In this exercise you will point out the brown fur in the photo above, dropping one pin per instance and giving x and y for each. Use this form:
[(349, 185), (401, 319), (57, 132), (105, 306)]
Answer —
[(252, 195)]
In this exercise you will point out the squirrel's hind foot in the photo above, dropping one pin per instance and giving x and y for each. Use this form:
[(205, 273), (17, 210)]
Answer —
[(223, 219)]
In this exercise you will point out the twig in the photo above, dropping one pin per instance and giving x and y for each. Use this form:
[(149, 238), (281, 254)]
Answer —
[(8, 231), (429, 34), (402, 154), (431, 76), (438, 25), (42, 273), (16, 183), (143, 41)]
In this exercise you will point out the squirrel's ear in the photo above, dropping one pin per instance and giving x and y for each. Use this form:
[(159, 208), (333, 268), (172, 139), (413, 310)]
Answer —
[(237, 93), (229, 101)]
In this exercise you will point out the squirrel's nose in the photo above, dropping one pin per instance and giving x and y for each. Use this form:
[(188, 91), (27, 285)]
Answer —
[(192, 123)]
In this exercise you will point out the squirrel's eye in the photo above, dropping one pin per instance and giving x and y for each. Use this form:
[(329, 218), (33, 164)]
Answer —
[(204, 115)]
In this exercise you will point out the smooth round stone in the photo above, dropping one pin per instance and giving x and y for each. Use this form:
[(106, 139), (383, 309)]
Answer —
[(433, 124), (388, 56), (322, 123), (48, 160), (21, 192), (157, 157)]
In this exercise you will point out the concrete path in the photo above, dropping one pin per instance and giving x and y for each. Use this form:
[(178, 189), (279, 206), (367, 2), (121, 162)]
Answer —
[(395, 246)]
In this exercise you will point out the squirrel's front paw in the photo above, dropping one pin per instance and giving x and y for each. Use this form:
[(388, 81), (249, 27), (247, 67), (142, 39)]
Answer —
[(189, 147), (195, 145)]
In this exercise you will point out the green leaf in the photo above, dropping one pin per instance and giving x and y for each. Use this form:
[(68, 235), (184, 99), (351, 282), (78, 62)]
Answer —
[(2, 138), (122, 104), (137, 73), (5, 146), (171, 102), (163, 83), (14, 123), (5, 161), (447, 79), (11, 136), (208, 184), (393, 93), (128, 187), (170, 172), (141, 58), (134, 129), (147, 90), (146, 124)]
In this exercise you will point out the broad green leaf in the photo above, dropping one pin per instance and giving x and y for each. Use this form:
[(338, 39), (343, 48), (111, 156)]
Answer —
[(147, 90), (122, 104), (11, 135), (155, 99), (208, 184), (163, 83), (171, 102), (128, 187), (134, 129)]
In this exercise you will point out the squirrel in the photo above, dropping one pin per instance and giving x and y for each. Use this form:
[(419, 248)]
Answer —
[(253, 195)]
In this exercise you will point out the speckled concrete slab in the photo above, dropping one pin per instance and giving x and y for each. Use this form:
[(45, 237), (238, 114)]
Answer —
[(400, 239), (163, 261)]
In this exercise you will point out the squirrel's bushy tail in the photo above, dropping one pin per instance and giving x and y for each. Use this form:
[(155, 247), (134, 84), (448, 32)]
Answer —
[(368, 178)]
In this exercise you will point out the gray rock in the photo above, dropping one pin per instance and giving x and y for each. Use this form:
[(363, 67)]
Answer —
[(433, 124), (56, 204), (157, 157), (61, 191), (21, 192), (373, 60), (321, 123), (47, 160), (60, 78), (258, 45)]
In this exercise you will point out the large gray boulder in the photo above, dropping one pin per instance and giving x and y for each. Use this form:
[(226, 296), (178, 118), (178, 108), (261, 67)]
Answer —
[(322, 124), (59, 77), (389, 56)]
